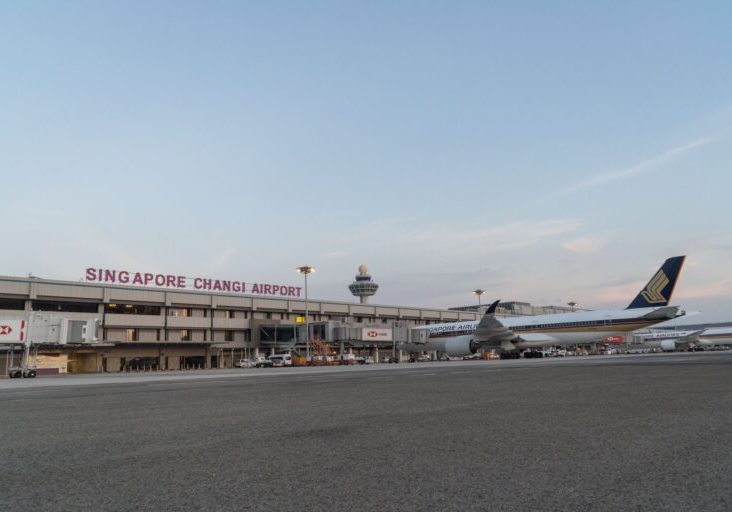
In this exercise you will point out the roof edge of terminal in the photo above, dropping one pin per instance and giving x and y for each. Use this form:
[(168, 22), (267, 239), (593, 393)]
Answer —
[(208, 292)]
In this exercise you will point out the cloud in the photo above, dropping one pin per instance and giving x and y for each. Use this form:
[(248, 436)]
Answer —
[(623, 293), (714, 290), (644, 167), (585, 245), (508, 235)]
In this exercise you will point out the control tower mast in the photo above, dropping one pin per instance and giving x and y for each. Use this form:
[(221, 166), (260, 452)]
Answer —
[(363, 287)]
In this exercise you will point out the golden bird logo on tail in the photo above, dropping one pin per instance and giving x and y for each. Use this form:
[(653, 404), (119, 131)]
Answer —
[(652, 293)]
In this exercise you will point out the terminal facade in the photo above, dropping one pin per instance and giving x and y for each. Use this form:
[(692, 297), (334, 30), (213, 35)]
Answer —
[(164, 328), (171, 329)]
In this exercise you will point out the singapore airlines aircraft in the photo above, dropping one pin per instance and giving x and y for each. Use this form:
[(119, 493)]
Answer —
[(669, 341), (510, 335)]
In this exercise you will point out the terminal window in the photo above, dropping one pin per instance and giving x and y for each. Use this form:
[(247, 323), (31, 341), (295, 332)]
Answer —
[(276, 333), (12, 304), (132, 309), (71, 307)]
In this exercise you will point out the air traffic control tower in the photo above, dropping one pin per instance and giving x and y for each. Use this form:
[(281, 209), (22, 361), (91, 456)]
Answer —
[(363, 287)]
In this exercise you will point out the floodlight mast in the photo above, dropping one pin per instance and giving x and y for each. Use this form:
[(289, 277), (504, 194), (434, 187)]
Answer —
[(305, 270), (478, 292)]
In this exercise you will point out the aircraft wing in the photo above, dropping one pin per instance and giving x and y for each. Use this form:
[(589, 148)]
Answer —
[(665, 313), (538, 338), (490, 327), (492, 334)]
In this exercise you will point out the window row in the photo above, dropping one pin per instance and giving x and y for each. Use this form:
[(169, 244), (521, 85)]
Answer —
[(175, 335), (143, 309)]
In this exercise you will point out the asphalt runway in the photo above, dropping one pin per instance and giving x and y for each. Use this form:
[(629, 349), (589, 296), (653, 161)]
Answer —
[(647, 432)]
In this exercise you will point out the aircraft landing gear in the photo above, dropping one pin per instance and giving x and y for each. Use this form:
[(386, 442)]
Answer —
[(531, 354)]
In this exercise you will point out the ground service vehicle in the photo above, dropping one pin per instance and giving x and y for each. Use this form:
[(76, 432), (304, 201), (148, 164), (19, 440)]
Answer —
[(281, 360)]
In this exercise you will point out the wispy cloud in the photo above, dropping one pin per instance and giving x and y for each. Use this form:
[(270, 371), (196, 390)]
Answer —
[(618, 294), (523, 232), (644, 167), (585, 245), (712, 290)]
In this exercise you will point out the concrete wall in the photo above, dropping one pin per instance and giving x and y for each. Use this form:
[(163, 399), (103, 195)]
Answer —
[(148, 335)]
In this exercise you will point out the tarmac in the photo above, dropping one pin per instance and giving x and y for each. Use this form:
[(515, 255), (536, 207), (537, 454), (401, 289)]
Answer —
[(634, 432)]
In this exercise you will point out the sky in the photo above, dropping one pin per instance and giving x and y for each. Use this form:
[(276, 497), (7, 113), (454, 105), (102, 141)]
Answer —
[(543, 151)]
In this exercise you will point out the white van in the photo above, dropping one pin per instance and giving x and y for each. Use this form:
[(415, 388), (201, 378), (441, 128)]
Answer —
[(347, 359), (281, 360)]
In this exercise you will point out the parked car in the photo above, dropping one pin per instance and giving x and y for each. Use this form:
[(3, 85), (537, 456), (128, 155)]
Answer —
[(243, 363), (262, 362)]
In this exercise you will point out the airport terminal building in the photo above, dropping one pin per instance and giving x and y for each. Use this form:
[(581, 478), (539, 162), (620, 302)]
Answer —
[(171, 327)]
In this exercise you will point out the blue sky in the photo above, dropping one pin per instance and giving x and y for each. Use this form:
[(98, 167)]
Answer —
[(543, 151)]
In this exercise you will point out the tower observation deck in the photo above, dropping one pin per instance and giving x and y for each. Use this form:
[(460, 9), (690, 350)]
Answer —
[(363, 287)]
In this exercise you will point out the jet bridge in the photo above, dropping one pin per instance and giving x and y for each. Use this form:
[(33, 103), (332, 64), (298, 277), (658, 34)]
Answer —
[(40, 328)]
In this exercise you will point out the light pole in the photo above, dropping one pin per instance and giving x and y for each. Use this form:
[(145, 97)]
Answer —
[(305, 270), (572, 304)]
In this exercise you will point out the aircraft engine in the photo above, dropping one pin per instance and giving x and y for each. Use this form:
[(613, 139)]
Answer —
[(461, 346), (668, 345)]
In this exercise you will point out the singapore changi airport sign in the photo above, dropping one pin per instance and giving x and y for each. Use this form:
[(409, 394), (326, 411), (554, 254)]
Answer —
[(126, 277)]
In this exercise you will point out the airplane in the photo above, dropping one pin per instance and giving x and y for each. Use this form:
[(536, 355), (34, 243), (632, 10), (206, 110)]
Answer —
[(511, 335), (668, 341)]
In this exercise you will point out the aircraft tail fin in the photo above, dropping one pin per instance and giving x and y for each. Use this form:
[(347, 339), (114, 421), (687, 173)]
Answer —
[(660, 288)]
